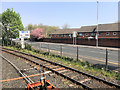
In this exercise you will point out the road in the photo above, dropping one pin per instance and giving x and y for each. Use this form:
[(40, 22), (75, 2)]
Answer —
[(93, 55)]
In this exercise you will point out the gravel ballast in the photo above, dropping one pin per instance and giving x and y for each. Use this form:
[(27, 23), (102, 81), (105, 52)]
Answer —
[(56, 80)]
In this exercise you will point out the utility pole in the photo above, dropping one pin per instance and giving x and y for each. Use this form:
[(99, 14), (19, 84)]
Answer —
[(97, 25), (7, 28)]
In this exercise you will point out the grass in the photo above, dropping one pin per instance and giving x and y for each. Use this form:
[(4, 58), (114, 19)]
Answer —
[(66, 82), (80, 65)]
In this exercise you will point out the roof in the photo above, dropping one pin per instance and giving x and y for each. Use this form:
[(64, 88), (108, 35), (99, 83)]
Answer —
[(87, 28), (65, 31), (101, 27), (108, 27)]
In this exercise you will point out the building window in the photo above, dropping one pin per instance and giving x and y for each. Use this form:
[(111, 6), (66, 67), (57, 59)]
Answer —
[(65, 35), (86, 34), (69, 35), (92, 34), (50, 35), (99, 33), (80, 34), (57, 35), (61, 35), (107, 33), (114, 33)]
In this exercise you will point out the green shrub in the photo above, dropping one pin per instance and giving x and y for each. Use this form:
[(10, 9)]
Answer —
[(87, 63), (46, 53), (18, 46), (28, 47), (82, 63), (118, 76)]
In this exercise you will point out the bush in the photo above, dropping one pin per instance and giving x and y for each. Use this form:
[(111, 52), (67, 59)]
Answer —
[(46, 53), (28, 47), (118, 76), (6, 42), (87, 63), (18, 46)]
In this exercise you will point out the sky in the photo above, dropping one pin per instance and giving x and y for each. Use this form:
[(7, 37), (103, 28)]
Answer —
[(75, 14)]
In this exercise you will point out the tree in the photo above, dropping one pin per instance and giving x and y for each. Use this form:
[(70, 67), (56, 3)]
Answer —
[(37, 33), (30, 27), (0, 17), (47, 29), (2, 33), (13, 19), (35, 26), (65, 26)]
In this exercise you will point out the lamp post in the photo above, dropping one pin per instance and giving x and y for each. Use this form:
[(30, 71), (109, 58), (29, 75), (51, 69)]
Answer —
[(16, 32), (1, 34), (97, 26), (8, 31), (7, 27)]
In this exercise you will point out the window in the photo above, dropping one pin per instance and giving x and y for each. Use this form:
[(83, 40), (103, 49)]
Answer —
[(80, 34), (86, 34), (61, 35), (50, 35), (99, 33), (69, 35), (107, 33), (26, 35), (57, 35), (65, 35), (114, 33), (92, 34)]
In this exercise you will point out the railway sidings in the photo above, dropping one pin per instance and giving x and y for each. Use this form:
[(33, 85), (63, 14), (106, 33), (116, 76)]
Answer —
[(26, 68), (80, 78)]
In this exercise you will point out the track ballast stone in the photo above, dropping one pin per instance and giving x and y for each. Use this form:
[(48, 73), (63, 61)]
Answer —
[(54, 79)]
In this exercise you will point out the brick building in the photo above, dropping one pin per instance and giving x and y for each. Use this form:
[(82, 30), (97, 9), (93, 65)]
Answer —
[(104, 31), (63, 33)]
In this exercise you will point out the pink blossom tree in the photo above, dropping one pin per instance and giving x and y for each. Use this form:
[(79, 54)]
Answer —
[(37, 33)]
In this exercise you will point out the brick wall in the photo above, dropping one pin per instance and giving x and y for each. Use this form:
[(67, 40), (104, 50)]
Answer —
[(102, 42), (102, 35)]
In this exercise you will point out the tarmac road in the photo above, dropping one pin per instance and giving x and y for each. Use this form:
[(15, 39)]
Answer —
[(92, 54)]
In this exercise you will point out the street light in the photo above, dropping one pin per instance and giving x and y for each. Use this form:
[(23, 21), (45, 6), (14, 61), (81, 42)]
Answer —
[(97, 26), (7, 26), (1, 33)]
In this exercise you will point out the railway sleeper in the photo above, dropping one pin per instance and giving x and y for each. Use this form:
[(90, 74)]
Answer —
[(74, 70)]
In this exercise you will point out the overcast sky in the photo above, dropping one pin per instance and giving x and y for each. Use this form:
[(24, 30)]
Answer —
[(75, 14)]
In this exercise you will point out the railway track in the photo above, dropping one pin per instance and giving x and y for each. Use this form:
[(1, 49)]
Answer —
[(80, 78), (24, 74), (27, 79)]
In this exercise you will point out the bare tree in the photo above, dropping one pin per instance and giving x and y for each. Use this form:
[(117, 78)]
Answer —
[(65, 26)]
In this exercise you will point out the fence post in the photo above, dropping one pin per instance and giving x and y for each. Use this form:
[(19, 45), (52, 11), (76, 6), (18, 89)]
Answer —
[(2, 42), (48, 49), (15, 44), (77, 53), (106, 64), (61, 50), (40, 47)]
